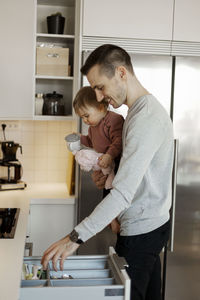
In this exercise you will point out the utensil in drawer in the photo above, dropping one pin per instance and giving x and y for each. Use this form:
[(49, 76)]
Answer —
[(40, 276), (35, 271)]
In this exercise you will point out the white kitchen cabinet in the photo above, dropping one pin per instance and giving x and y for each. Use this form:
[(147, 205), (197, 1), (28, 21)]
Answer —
[(16, 59), (140, 19), (49, 222), (23, 26), (187, 20)]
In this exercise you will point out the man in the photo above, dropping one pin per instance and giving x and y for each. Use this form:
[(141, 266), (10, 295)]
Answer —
[(141, 194)]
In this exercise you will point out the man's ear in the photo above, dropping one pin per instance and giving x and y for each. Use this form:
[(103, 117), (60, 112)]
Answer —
[(122, 72)]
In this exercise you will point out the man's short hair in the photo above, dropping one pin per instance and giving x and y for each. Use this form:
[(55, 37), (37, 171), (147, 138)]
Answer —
[(108, 57)]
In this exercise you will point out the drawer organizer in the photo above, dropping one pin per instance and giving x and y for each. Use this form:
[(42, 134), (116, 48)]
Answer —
[(84, 277)]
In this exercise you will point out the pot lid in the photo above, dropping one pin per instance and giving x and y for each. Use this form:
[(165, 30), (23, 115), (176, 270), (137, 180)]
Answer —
[(54, 95)]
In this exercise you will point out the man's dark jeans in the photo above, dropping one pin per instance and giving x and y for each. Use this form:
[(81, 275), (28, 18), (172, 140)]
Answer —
[(142, 255)]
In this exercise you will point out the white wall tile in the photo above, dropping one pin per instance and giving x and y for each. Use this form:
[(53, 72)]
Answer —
[(44, 151)]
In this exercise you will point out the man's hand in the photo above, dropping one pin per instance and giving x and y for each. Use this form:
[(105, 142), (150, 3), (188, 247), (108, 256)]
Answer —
[(99, 179), (61, 249), (115, 226)]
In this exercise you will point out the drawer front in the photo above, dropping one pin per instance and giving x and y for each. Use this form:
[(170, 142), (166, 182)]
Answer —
[(86, 277)]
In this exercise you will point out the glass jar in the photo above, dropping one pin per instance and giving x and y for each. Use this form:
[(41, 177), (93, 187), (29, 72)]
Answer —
[(53, 104), (39, 101)]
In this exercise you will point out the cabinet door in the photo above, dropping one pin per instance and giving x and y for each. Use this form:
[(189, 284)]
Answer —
[(16, 59), (48, 224), (128, 19), (187, 20)]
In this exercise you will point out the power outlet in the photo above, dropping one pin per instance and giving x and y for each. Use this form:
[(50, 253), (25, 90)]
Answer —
[(12, 126)]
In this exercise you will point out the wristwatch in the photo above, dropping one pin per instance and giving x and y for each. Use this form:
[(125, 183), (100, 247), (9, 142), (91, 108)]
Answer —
[(74, 237)]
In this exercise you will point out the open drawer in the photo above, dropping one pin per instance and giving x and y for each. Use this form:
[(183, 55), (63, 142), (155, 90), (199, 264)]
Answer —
[(84, 277)]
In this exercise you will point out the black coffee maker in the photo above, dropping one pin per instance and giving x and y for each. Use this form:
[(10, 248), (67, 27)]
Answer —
[(9, 161)]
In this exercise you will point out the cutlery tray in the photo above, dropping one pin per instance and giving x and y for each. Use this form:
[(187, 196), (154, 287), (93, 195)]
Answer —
[(87, 277)]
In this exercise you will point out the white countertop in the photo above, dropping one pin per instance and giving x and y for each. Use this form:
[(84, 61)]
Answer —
[(49, 193), (12, 250)]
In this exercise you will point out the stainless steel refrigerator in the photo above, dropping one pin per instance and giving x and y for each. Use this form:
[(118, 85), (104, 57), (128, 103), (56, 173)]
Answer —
[(187, 129), (174, 81)]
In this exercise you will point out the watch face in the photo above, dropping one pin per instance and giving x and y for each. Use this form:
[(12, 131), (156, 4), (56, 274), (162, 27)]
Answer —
[(74, 236)]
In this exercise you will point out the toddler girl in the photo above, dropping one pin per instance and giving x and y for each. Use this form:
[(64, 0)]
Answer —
[(105, 128)]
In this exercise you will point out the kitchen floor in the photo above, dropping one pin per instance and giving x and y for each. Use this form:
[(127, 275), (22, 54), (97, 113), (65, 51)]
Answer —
[(183, 265)]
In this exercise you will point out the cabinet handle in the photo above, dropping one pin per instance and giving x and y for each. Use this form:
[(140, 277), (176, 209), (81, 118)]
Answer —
[(53, 55)]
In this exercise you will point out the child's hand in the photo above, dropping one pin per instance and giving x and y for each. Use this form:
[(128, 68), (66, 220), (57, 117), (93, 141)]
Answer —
[(105, 161), (115, 226), (77, 133)]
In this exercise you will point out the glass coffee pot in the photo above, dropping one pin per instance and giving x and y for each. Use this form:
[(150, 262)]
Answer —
[(53, 104)]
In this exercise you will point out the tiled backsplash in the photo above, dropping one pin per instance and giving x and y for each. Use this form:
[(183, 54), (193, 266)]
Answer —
[(44, 155)]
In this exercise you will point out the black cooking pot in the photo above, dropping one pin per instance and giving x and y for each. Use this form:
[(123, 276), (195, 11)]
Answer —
[(53, 104)]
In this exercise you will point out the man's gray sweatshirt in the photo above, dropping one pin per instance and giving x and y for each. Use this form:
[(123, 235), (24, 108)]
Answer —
[(141, 194)]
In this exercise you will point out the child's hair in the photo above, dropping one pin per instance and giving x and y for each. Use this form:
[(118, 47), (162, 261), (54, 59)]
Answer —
[(86, 96)]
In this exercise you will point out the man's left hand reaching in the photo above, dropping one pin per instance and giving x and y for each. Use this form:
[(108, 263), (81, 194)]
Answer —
[(61, 249)]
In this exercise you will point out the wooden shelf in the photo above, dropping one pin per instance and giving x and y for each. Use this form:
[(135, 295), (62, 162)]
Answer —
[(60, 36), (69, 3), (53, 118), (54, 77)]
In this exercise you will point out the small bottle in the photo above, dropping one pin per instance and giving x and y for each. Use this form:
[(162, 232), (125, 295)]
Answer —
[(38, 103)]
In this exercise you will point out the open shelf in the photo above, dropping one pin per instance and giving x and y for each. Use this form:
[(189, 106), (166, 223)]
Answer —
[(57, 2), (60, 36), (53, 118), (48, 83), (54, 77)]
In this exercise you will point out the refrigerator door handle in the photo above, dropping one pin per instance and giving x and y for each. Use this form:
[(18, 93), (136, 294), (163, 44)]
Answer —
[(173, 207)]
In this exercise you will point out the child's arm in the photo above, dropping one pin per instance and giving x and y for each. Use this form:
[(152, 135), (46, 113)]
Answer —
[(115, 134), (86, 140)]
